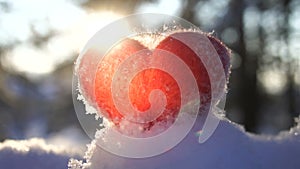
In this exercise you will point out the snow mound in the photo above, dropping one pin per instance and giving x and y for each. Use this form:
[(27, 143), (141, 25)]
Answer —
[(229, 147), (33, 154)]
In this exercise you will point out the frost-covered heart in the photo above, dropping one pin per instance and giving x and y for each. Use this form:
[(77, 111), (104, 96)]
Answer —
[(145, 96)]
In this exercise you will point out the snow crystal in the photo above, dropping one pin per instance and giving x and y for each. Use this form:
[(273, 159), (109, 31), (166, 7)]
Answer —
[(33, 154), (229, 147)]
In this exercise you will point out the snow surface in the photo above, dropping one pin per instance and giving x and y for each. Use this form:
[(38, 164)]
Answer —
[(230, 147), (33, 154)]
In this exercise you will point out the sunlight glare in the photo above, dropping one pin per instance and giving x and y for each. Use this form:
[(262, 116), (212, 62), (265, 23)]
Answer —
[(85, 28), (29, 59), (169, 7), (67, 43), (273, 81)]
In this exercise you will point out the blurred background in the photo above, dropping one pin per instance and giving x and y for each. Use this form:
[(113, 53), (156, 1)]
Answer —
[(40, 40)]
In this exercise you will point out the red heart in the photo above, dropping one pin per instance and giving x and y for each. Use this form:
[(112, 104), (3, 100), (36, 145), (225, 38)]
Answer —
[(97, 87)]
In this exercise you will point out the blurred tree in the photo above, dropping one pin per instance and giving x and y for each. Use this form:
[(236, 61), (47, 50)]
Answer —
[(252, 29), (248, 21), (246, 73), (291, 66)]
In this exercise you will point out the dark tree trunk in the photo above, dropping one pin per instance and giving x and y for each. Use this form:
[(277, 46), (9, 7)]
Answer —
[(248, 94), (291, 92)]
